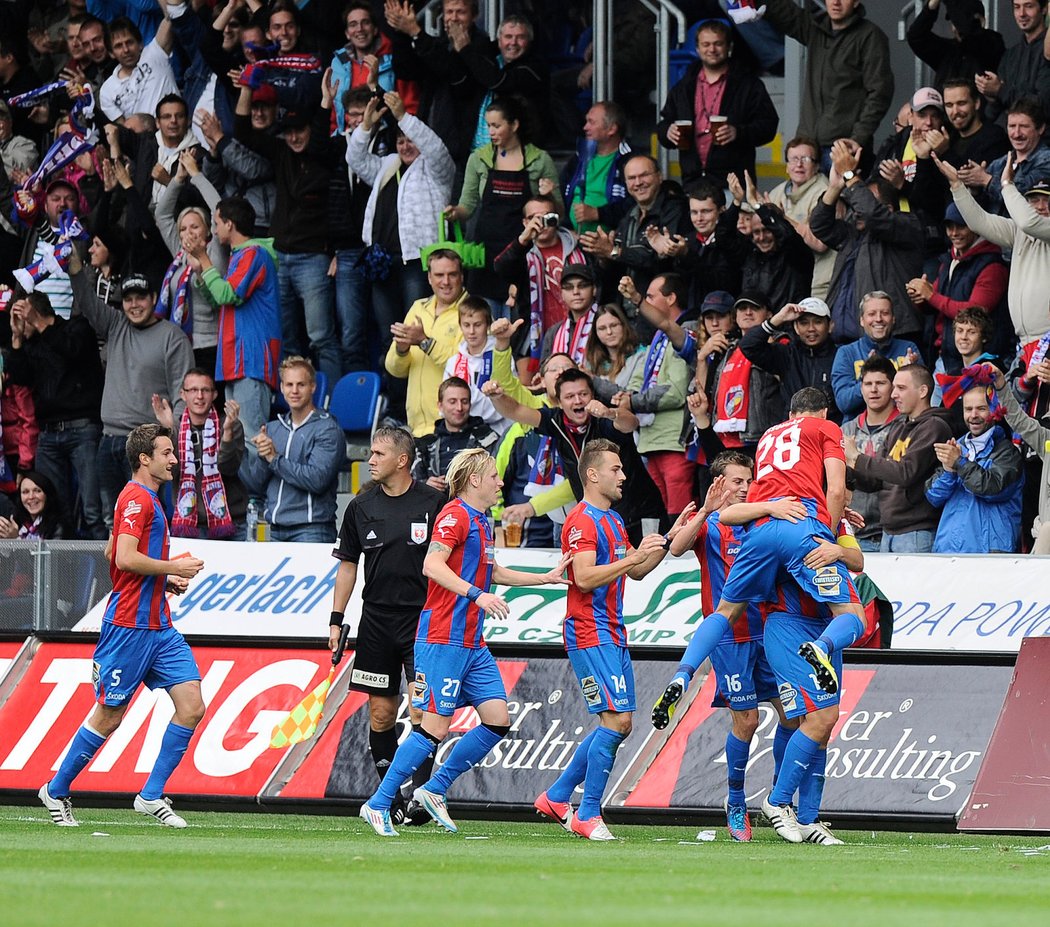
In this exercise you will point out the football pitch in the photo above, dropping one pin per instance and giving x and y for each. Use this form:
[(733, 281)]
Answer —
[(268, 869)]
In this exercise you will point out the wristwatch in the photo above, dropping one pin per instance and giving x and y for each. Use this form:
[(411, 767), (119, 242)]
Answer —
[(847, 176), (426, 344), (616, 251)]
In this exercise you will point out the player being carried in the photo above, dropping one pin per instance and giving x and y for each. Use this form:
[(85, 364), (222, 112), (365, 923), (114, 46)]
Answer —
[(138, 643), (595, 539), (453, 664)]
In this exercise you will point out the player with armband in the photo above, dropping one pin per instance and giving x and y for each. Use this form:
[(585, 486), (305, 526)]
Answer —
[(453, 664)]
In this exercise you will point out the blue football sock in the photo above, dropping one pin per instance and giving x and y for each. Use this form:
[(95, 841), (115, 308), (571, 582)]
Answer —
[(600, 758), (780, 742), (172, 749), (471, 748), (811, 791), (573, 774), (841, 632), (800, 753), (737, 752), (409, 757), (705, 639), (84, 746)]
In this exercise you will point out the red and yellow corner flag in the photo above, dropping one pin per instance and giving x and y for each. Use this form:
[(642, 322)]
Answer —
[(301, 721)]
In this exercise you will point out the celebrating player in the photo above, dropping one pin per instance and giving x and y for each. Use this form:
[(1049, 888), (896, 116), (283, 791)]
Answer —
[(137, 643), (595, 539), (453, 665), (739, 663)]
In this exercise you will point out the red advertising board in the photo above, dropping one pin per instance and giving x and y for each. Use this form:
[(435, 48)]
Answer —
[(8, 651), (246, 692)]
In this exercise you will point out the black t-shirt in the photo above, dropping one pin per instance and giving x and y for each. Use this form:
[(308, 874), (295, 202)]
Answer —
[(393, 532), (385, 222)]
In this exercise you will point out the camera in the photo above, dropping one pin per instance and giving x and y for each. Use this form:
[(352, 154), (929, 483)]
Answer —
[(551, 220)]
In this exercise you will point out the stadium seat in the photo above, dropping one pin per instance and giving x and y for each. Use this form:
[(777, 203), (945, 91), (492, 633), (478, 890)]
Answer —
[(356, 406), (321, 397)]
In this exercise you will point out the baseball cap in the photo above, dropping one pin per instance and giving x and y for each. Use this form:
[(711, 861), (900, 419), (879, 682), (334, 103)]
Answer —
[(813, 305), (135, 283), (717, 301), (952, 214), (926, 96), (577, 272), (752, 298), (295, 120), (267, 93), (1041, 186), (61, 182)]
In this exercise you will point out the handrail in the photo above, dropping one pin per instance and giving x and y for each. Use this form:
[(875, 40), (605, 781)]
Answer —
[(428, 16)]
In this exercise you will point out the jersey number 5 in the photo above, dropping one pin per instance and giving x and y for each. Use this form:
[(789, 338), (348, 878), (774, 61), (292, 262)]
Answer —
[(779, 451)]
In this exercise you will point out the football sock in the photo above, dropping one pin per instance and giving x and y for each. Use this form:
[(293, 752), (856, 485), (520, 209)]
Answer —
[(172, 749), (703, 642), (383, 746), (471, 748), (737, 752), (811, 790), (83, 747), (800, 753), (780, 742), (841, 632), (408, 758), (573, 775), (600, 757)]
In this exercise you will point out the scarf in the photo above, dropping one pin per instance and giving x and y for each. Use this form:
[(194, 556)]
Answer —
[(574, 344), (570, 254), (55, 259), (654, 360), (732, 399), (31, 531), (255, 74), (184, 524), (176, 296), (974, 375), (79, 137), (461, 369)]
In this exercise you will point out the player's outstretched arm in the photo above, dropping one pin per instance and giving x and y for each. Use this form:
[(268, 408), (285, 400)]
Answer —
[(787, 508), (130, 559), (835, 494), (555, 577), (437, 570), (510, 408)]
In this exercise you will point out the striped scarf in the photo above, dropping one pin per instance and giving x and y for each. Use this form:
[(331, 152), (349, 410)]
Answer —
[(184, 524), (176, 295)]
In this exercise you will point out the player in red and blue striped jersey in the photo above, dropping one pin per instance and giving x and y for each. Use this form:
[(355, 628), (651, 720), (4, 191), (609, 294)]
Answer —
[(453, 665), (595, 540), (137, 643)]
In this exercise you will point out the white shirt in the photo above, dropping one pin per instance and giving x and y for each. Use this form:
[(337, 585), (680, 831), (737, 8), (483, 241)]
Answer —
[(149, 81)]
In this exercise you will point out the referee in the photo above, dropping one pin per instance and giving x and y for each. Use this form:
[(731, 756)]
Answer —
[(390, 523)]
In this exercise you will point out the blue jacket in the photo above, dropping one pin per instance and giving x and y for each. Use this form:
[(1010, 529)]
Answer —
[(574, 178), (845, 372), (300, 482), (981, 500)]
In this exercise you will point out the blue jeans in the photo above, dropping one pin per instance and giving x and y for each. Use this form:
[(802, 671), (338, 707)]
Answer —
[(76, 447), (870, 545), (304, 281), (316, 533), (113, 470), (353, 306), (911, 542)]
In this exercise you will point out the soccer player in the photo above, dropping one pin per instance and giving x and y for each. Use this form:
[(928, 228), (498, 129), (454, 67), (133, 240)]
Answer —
[(138, 643), (739, 663), (453, 665), (594, 541)]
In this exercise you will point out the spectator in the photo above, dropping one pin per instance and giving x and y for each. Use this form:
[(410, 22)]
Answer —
[(455, 430), (806, 359), (143, 75), (249, 315), (1021, 65), (715, 86), (38, 514), (303, 169), (156, 156), (210, 501), (877, 325), (704, 256), (145, 355), (428, 337), (868, 431), (579, 290), (473, 361), (848, 84), (970, 49), (1025, 124), (533, 263), (613, 353), (60, 196), (98, 63), (501, 177), (972, 273), (972, 139), (592, 182), (297, 461), (879, 247), (906, 462), (978, 486), (298, 89), (58, 360), (410, 187), (797, 196)]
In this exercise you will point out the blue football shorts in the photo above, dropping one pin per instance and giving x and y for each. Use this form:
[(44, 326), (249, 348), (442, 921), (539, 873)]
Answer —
[(127, 657), (448, 676)]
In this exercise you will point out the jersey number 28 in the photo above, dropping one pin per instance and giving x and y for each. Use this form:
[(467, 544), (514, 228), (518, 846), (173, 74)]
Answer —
[(779, 451)]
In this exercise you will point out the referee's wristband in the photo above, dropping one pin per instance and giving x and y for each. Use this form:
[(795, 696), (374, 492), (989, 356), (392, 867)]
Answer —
[(336, 620), (473, 593)]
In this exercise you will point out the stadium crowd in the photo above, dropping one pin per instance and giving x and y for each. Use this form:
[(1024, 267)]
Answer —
[(211, 207)]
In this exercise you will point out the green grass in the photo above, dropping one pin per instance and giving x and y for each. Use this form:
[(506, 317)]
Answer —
[(269, 870)]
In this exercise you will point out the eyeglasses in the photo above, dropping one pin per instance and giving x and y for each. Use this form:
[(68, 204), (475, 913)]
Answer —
[(802, 159)]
